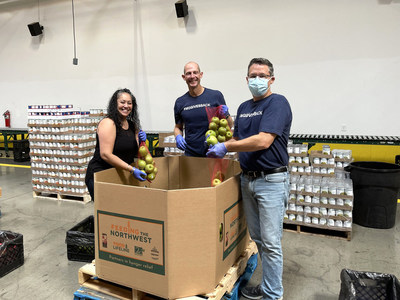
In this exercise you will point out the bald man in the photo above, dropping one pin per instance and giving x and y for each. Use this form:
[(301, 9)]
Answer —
[(191, 121)]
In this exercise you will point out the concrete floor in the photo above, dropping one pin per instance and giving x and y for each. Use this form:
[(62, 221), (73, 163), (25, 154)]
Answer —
[(312, 264)]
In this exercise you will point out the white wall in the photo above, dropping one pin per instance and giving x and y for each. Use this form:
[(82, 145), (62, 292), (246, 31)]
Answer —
[(337, 62)]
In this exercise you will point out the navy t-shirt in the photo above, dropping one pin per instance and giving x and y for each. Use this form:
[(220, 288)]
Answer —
[(272, 115), (191, 111)]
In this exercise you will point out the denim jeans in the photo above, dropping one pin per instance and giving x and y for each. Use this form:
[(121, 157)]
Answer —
[(265, 200)]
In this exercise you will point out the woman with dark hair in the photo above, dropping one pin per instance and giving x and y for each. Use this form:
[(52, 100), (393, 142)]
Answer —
[(117, 138)]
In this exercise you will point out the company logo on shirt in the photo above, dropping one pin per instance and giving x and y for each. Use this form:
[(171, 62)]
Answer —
[(196, 106), (254, 114)]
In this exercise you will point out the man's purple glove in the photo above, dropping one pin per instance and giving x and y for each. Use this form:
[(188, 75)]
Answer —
[(217, 151), (142, 136), (224, 111), (180, 142), (139, 174)]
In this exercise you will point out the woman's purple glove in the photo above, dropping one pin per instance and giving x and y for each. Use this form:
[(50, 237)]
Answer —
[(224, 111), (139, 174), (142, 136), (217, 151), (180, 142)]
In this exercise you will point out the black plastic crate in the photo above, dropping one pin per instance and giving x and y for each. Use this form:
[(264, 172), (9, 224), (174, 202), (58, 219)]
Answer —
[(80, 241), (21, 150), (357, 285), (11, 251)]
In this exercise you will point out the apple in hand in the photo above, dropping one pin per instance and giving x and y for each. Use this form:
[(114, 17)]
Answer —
[(228, 135), (149, 168), (211, 132), (222, 131), (148, 158), (212, 140), (223, 123), (143, 151), (215, 182), (213, 126), (151, 176), (141, 164), (216, 120)]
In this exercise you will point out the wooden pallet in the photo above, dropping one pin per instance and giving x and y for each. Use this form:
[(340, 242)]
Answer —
[(84, 199), (318, 231), (88, 279)]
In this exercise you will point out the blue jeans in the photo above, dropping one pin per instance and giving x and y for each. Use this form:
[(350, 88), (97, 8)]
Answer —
[(265, 200)]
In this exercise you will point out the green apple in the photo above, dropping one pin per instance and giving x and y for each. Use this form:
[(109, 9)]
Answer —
[(215, 182), (223, 122), (212, 126), (211, 132), (143, 151), (215, 120), (221, 138), (212, 140), (155, 170), (222, 131), (141, 164), (148, 158), (151, 176), (228, 135), (149, 168)]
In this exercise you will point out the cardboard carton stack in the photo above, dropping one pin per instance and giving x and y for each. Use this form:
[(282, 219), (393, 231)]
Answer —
[(321, 194), (175, 237), (62, 141)]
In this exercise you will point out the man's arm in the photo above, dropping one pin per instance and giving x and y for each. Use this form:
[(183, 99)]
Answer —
[(230, 121), (256, 142), (178, 129)]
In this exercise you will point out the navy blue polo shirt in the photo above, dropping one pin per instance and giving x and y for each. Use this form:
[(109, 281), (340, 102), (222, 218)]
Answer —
[(191, 111), (272, 115)]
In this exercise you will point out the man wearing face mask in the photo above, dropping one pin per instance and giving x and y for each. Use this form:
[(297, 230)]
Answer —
[(261, 134), (191, 115)]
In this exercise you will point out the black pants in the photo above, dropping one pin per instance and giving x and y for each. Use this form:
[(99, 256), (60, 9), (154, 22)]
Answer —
[(90, 187)]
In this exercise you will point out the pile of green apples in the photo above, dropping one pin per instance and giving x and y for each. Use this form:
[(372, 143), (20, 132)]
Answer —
[(146, 163), (218, 131)]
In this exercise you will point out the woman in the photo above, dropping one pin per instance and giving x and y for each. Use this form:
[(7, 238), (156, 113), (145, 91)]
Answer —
[(117, 138)]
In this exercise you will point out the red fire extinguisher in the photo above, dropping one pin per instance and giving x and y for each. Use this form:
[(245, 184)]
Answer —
[(7, 118)]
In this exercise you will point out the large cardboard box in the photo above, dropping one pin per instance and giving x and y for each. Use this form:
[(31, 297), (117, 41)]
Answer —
[(175, 237)]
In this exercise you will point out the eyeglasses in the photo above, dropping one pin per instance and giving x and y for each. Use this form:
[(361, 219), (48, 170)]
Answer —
[(262, 76)]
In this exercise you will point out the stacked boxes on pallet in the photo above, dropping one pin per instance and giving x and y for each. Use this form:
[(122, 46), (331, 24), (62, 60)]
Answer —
[(62, 141), (321, 193)]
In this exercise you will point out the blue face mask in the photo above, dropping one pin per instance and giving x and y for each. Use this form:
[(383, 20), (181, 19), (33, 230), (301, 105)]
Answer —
[(258, 86)]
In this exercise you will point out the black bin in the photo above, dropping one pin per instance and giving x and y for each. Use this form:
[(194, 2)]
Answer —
[(21, 150), (376, 187)]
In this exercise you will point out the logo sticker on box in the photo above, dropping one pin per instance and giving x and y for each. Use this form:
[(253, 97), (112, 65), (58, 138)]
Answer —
[(131, 241), (235, 227)]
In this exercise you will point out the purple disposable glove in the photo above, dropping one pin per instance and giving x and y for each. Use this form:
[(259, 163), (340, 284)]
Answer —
[(224, 111), (139, 174), (217, 151), (142, 136), (180, 142)]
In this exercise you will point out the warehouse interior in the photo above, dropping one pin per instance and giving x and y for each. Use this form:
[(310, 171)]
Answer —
[(336, 62), (312, 263)]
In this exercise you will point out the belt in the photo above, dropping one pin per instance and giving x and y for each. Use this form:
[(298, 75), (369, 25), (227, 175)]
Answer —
[(265, 172)]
